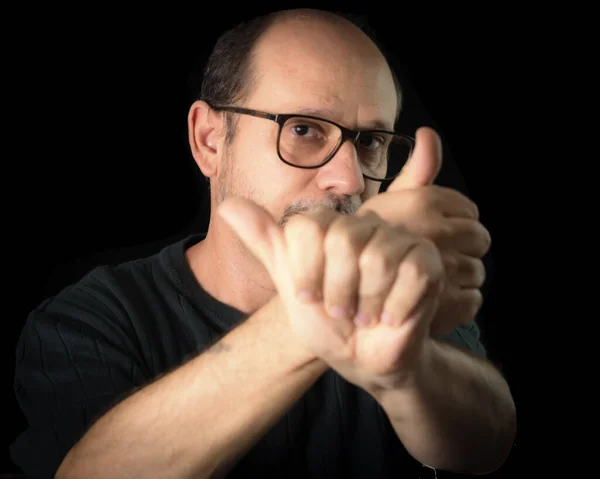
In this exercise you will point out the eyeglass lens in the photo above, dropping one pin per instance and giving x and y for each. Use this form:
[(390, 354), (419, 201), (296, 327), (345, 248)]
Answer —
[(308, 142)]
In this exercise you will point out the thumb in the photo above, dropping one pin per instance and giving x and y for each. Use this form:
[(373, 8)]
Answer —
[(255, 227), (424, 163)]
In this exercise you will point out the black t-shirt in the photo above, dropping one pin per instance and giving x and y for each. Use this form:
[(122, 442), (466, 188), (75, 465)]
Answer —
[(119, 327)]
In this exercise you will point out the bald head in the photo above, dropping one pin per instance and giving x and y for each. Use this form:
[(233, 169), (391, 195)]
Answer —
[(332, 27), (330, 58), (241, 55)]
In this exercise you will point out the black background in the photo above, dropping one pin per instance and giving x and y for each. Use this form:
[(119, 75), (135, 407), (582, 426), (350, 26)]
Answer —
[(104, 172)]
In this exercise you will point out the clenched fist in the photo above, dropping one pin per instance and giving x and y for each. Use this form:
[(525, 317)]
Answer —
[(447, 218), (358, 292)]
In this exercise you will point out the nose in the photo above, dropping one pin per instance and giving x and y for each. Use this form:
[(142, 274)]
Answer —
[(342, 175)]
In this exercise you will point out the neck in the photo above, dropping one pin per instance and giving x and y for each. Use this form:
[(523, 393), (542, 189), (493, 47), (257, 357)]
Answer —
[(226, 270)]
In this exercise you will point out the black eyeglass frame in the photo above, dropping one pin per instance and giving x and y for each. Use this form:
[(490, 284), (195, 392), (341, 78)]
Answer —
[(347, 133)]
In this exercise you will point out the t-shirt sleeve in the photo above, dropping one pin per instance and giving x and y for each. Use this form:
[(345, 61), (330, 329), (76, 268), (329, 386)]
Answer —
[(466, 336), (75, 359)]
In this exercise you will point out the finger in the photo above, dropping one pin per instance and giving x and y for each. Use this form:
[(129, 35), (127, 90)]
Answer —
[(304, 235), (456, 307), (451, 202), (420, 278), (256, 229), (464, 271), (421, 205), (466, 236), (378, 269), (344, 241), (424, 163)]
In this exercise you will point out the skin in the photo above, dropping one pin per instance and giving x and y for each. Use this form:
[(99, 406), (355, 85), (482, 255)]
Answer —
[(452, 411), (296, 71)]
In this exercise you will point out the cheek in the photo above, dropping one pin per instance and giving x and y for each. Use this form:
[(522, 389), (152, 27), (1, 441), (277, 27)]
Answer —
[(260, 174), (257, 173), (257, 153), (281, 186), (260, 163), (284, 186)]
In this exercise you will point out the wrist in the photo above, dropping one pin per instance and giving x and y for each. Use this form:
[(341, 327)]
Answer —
[(284, 334), (409, 379)]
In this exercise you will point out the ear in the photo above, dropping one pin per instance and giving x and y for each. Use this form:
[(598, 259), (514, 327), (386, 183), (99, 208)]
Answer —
[(206, 130)]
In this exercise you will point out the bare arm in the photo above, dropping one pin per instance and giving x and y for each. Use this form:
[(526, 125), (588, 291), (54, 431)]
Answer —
[(455, 413), (198, 420)]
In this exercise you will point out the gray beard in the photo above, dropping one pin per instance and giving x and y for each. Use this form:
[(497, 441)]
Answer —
[(346, 206)]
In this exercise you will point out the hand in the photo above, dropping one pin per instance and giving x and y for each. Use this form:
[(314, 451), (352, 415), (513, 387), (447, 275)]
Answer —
[(447, 218), (357, 264)]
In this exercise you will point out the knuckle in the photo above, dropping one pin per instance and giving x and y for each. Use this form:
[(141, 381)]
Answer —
[(412, 268), (300, 227), (429, 249), (475, 304), (480, 272), (470, 206), (474, 209), (338, 240), (481, 238), (468, 306), (376, 260), (467, 205), (420, 200), (425, 266), (421, 224), (487, 240), (483, 245), (339, 237), (436, 230), (451, 263)]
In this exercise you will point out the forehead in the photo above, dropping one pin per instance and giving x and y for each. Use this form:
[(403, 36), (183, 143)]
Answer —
[(319, 66)]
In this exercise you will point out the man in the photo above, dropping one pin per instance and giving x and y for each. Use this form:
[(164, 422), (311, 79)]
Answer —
[(318, 329)]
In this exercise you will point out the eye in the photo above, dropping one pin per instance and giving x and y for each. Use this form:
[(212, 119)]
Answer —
[(306, 130), (371, 142), (301, 130)]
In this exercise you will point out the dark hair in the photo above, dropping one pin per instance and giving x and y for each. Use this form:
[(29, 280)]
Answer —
[(228, 77)]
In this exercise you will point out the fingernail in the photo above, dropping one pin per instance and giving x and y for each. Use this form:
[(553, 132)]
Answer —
[(387, 318), (361, 319)]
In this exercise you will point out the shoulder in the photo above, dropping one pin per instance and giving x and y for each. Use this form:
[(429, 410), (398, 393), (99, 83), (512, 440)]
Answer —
[(106, 302), (140, 307), (125, 279), (95, 310), (114, 290), (106, 290)]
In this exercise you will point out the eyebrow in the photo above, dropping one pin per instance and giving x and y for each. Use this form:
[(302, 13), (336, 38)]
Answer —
[(331, 115)]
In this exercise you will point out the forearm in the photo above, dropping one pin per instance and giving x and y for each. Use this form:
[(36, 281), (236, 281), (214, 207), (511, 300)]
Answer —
[(199, 419), (455, 413)]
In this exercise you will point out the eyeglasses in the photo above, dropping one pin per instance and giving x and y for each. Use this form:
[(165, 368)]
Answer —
[(309, 142)]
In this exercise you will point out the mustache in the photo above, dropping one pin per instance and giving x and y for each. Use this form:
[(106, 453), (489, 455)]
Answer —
[(345, 205)]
